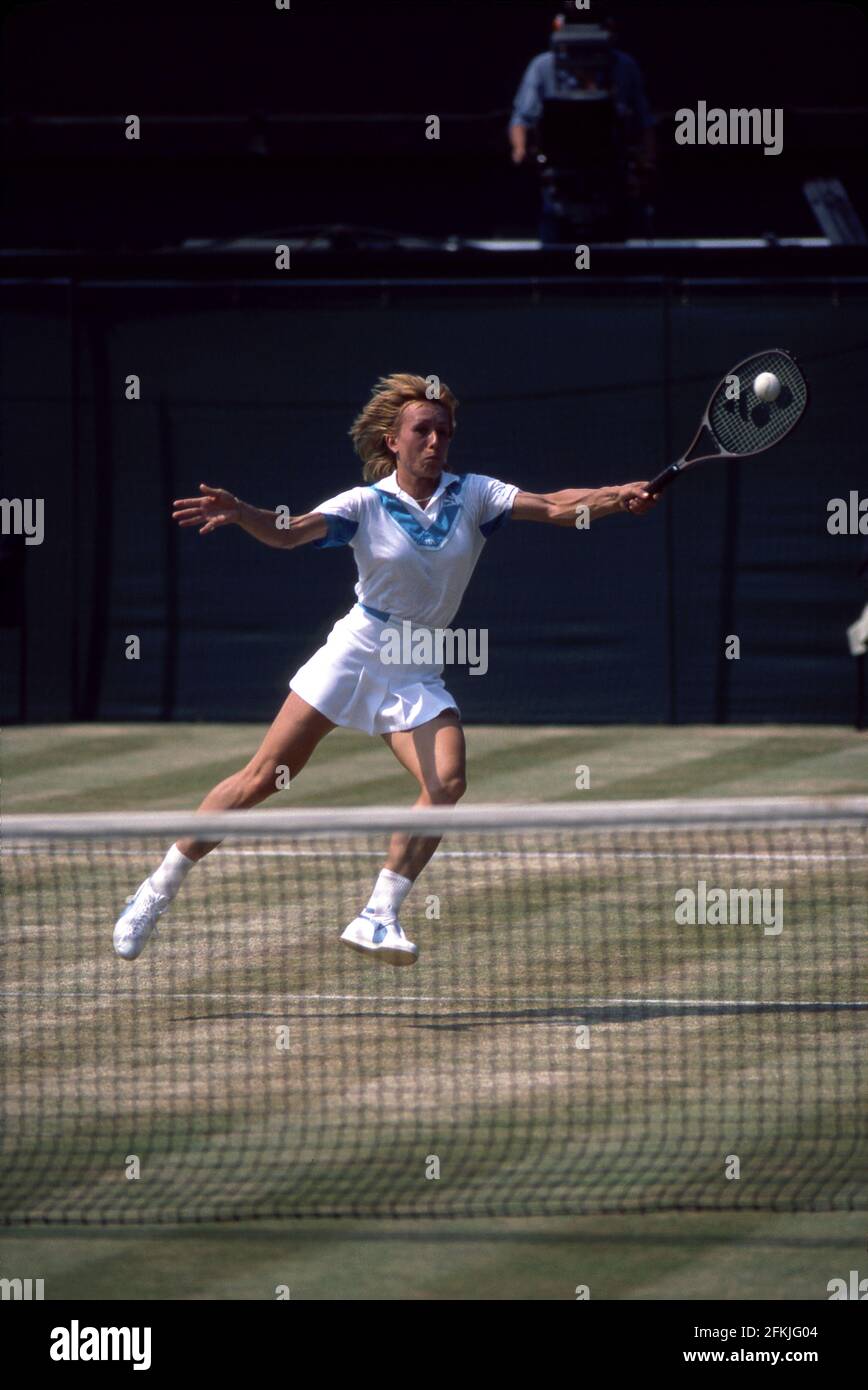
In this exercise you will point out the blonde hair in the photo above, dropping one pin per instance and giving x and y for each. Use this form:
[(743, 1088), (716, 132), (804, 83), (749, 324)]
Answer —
[(382, 416)]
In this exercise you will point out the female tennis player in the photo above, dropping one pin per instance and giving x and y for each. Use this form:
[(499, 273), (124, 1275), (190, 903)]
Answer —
[(417, 532)]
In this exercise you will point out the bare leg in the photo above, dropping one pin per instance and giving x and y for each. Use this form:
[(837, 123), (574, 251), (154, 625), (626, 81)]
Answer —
[(293, 736), (435, 754)]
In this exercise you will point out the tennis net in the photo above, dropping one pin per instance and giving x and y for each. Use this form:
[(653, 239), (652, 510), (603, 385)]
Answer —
[(617, 1007)]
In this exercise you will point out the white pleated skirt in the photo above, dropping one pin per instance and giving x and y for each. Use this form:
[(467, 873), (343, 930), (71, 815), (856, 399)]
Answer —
[(348, 682)]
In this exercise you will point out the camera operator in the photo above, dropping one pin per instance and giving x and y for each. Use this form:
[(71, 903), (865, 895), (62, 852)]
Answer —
[(606, 72)]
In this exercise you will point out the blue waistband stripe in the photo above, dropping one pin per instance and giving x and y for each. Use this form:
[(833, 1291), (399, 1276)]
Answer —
[(375, 613)]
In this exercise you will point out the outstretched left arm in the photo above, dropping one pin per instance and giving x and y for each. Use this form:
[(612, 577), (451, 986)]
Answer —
[(561, 508)]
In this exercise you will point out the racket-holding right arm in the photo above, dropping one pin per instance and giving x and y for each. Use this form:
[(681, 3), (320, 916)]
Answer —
[(562, 508)]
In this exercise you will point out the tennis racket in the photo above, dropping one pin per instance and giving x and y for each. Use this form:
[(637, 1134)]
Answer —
[(737, 426)]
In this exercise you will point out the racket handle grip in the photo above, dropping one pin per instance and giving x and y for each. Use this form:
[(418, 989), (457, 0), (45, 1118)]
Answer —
[(663, 479)]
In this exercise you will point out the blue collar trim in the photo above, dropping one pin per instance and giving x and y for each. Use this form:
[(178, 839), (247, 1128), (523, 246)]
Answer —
[(432, 537)]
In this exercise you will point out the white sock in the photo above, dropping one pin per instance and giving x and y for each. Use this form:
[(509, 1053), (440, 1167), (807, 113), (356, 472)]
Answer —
[(171, 873), (390, 890)]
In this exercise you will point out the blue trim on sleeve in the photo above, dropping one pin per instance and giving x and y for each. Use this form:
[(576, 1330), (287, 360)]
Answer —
[(340, 531), (488, 526)]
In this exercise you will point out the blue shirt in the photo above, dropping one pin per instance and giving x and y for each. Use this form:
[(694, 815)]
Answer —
[(542, 80)]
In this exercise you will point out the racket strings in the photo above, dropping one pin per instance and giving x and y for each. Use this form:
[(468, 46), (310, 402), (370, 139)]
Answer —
[(742, 423)]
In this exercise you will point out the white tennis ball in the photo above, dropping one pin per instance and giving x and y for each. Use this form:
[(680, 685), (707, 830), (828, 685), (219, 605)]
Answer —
[(767, 386)]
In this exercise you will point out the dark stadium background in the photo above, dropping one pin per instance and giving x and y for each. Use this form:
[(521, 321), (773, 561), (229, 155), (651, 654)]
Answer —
[(251, 378)]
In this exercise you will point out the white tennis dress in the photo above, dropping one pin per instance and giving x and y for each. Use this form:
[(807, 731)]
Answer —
[(414, 565)]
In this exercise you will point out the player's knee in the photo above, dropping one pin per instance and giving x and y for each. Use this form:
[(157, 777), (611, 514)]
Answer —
[(447, 791)]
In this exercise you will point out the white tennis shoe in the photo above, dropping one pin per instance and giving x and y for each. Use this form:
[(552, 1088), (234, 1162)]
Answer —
[(138, 920), (383, 939)]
